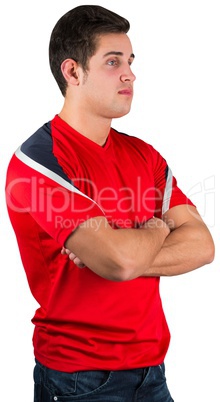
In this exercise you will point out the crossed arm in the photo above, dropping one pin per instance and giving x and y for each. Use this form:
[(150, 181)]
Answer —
[(179, 243)]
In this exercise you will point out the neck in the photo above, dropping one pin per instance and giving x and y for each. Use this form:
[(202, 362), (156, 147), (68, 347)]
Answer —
[(93, 127)]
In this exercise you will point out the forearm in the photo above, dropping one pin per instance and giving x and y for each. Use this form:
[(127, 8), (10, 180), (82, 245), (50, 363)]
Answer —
[(121, 254), (185, 249), (149, 251)]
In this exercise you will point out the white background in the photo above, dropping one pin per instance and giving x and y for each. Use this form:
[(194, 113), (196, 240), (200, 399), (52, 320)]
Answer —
[(177, 109)]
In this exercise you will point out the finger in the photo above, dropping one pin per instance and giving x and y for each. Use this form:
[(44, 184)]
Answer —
[(66, 251), (72, 256), (78, 263), (63, 251)]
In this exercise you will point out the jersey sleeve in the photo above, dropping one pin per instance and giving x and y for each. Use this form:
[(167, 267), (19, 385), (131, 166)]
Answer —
[(168, 194), (51, 200)]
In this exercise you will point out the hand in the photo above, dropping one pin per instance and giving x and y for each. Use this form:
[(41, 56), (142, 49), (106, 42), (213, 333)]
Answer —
[(73, 257)]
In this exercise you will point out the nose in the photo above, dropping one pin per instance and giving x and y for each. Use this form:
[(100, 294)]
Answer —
[(128, 76)]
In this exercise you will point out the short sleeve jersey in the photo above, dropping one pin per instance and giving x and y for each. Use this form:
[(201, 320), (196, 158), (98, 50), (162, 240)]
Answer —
[(57, 180)]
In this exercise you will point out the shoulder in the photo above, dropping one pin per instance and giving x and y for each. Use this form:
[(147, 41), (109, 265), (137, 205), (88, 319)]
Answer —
[(134, 143), (39, 143), (36, 153)]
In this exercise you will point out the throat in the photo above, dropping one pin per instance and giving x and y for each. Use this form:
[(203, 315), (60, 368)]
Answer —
[(93, 129)]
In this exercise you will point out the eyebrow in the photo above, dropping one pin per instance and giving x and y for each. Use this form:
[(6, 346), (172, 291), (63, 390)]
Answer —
[(132, 56)]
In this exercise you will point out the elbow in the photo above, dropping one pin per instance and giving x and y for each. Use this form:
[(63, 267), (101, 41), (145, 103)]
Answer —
[(207, 252), (210, 252), (124, 270)]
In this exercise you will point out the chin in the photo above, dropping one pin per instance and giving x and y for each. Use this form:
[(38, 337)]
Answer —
[(121, 113)]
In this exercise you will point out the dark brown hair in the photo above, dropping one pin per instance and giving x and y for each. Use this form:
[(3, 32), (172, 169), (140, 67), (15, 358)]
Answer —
[(76, 34)]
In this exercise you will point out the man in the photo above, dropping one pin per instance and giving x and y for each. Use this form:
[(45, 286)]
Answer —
[(99, 218)]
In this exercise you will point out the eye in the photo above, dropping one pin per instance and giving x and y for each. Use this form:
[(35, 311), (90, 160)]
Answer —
[(112, 62), (130, 61)]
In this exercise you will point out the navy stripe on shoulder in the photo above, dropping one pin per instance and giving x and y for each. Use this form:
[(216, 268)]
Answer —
[(39, 147)]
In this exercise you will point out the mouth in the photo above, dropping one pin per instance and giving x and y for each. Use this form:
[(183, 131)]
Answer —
[(126, 91)]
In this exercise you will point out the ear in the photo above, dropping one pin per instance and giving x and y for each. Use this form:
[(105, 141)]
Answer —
[(70, 70)]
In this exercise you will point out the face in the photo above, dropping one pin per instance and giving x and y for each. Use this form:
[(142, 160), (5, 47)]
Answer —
[(107, 88)]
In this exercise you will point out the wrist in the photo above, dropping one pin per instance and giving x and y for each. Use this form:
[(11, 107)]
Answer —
[(157, 224)]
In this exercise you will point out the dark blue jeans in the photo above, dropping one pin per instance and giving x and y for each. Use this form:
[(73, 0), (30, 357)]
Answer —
[(138, 385)]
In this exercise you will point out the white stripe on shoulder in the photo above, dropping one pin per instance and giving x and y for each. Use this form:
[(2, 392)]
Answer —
[(167, 192), (50, 174)]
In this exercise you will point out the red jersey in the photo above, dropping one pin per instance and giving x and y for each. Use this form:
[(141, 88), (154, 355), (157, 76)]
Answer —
[(56, 180)]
